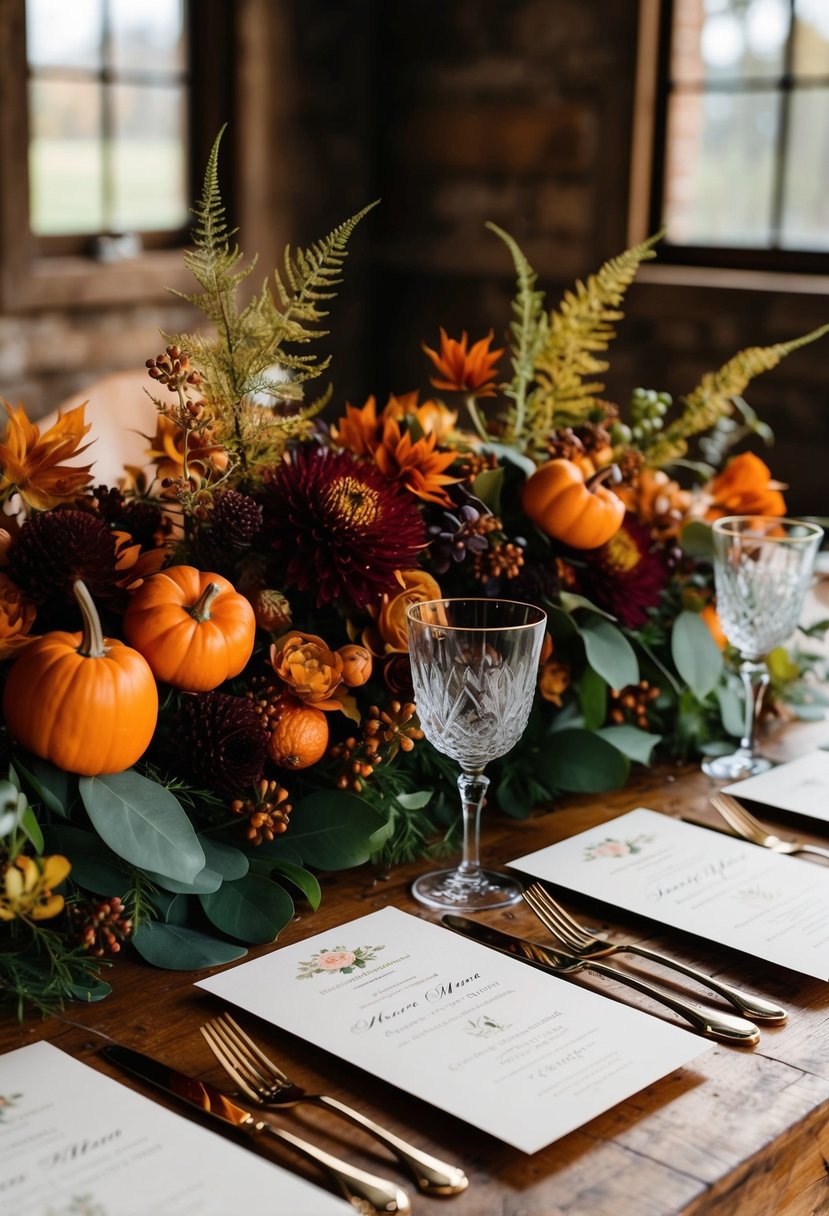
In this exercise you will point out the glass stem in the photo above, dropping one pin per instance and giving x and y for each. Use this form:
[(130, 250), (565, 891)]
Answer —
[(473, 787), (755, 677)]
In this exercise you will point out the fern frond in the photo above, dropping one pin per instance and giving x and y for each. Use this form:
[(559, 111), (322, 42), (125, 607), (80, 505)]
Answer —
[(525, 329), (712, 399), (579, 328), (310, 275)]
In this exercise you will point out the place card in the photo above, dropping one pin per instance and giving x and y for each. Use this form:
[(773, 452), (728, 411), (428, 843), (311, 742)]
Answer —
[(522, 1055), (722, 889), (801, 785), (73, 1142)]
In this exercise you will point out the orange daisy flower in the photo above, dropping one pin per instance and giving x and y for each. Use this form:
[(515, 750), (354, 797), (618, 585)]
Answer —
[(358, 431), (744, 487), (32, 463), (417, 465), (465, 371), (166, 451)]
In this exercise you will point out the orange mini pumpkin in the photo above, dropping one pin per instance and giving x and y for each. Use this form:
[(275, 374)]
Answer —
[(561, 503), (193, 628), (87, 703)]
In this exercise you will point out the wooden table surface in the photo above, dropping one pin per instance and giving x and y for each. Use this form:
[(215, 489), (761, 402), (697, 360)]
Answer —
[(738, 1132)]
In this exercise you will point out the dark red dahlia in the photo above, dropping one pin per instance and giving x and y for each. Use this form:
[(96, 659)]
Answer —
[(627, 575), (223, 742), (338, 528)]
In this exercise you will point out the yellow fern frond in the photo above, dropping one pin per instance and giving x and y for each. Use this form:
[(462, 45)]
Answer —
[(713, 397)]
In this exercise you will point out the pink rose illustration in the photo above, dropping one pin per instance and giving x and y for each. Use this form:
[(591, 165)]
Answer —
[(335, 960), (611, 848)]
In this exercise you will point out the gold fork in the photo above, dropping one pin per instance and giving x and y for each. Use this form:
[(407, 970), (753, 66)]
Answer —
[(578, 940), (261, 1080), (745, 825)]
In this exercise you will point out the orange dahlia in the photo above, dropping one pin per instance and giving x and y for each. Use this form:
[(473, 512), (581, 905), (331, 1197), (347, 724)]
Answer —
[(462, 370), (744, 487), (417, 465)]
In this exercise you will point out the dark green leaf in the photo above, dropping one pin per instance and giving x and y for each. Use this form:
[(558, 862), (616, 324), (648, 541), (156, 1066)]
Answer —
[(205, 882), (592, 699), (177, 948), (30, 826), (279, 848), (695, 539), (229, 861), (94, 867), (416, 800), (333, 829), (571, 601), (631, 742), (695, 653), (504, 452), (487, 486), (252, 909), (52, 786), (303, 880), (92, 990), (608, 652), (732, 703), (580, 761), (144, 823)]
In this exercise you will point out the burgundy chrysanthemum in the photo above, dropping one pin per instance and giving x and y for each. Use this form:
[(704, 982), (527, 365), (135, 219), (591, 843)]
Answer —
[(338, 528), (223, 741), (627, 575), (54, 549)]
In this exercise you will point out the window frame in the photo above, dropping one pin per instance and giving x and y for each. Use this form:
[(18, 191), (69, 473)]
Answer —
[(646, 192), (41, 272)]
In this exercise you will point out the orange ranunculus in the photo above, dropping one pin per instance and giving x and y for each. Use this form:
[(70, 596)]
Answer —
[(418, 466), (416, 586), (16, 618), (357, 665), (359, 430), (311, 671), (465, 371), (553, 680), (166, 451), (26, 887), (744, 487), (32, 463), (711, 617)]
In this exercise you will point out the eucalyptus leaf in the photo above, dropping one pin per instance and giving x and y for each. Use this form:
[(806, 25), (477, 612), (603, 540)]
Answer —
[(205, 882), (333, 829), (303, 880), (695, 653), (504, 452), (580, 761), (280, 849), (416, 800), (144, 823), (487, 486), (571, 601), (609, 652), (177, 948), (29, 824), (732, 709), (227, 860), (93, 990), (253, 909), (94, 866), (631, 742), (593, 699), (53, 787), (695, 539)]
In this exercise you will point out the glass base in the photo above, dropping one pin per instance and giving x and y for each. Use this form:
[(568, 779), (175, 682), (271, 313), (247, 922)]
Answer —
[(736, 765), (454, 891)]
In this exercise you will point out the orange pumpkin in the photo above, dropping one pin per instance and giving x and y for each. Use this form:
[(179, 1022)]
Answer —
[(87, 703), (194, 629), (561, 503)]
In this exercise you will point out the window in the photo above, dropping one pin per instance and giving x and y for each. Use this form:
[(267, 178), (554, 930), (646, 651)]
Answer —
[(108, 109), (741, 132)]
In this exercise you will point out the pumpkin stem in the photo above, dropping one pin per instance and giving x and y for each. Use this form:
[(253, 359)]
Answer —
[(92, 642), (610, 472), (200, 611)]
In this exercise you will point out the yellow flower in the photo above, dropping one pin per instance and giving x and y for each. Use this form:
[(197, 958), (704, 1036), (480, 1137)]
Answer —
[(31, 462), (416, 587), (17, 616), (311, 671), (26, 887)]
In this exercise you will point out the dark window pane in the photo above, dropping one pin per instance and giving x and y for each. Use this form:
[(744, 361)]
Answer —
[(720, 168), (806, 208), (811, 37), (148, 35), (65, 172), (719, 40), (149, 163), (64, 34)]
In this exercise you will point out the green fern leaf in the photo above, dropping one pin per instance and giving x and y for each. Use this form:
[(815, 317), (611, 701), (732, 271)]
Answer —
[(580, 327), (526, 330), (713, 397), (310, 275)]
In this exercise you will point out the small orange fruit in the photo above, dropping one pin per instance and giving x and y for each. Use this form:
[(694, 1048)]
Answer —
[(299, 736)]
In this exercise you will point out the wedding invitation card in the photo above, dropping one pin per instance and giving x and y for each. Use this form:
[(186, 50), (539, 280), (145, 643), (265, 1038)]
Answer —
[(724, 889), (522, 1055), (73, 1142), (801, 785)]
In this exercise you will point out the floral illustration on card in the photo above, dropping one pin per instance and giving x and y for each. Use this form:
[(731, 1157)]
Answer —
[(485, 1027), (80, 1205), (756, 896), (7, 1101), (612, 847), (338, 961)]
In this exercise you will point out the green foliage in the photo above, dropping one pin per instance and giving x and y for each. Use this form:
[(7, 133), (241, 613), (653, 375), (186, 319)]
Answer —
[(713, 398), (696, 654), (526, 330)]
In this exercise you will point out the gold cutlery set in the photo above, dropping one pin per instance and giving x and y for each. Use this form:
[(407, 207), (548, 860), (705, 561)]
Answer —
[(265, 1087)]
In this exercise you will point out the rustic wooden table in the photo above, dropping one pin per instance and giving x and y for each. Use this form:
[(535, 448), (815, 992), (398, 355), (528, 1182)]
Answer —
[(736, 1132)]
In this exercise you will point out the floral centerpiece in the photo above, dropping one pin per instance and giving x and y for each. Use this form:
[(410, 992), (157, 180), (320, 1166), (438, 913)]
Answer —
[(207, 690)]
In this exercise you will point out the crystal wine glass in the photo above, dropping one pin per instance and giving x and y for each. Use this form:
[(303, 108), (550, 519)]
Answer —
[(762, 571), (474, 667)]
